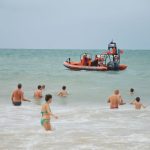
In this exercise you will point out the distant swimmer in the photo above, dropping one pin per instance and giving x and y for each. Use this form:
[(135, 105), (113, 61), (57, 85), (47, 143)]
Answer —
[(63, 92), (114, 100), (131, 91), (137, 103), (38, 93), (43, 87), (18, 96), (46, 113)]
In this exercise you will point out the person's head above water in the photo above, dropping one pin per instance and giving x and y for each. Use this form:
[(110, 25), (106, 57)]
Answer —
[(137, 99), (131, 90), (64, 87), (39, 87), (48, 97), (19, 86)]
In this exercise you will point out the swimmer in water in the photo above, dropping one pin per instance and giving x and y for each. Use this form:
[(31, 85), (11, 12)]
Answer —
[(18, 96), (63, 92), (137, 103)]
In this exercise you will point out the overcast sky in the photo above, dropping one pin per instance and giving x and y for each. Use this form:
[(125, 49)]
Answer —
[(74, 24)]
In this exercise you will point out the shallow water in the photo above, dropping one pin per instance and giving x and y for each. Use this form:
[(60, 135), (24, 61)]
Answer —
[(77, 128), (85, 120)]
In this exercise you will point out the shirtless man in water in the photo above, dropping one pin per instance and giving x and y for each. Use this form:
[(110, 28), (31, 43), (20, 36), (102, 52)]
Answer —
[(114, 100), (38, 93), (18, 96)]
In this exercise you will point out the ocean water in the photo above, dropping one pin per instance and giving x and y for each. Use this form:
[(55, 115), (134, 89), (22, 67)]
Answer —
[(85, 120)]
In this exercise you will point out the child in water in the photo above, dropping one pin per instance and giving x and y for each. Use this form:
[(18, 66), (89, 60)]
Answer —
[(46, 113), (137, 103), (63, 92)]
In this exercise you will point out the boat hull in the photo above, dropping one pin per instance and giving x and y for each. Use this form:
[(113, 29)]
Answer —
[(78, 66)]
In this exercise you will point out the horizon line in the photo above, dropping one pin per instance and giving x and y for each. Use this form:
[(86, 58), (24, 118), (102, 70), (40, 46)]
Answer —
[(65, 49)]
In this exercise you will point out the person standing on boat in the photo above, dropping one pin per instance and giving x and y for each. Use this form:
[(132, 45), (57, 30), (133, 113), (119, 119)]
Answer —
[(95, 61), (84, 60), (89, 62)]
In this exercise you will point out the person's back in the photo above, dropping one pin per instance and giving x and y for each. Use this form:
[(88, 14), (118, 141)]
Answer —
[(138, 104), (114, 100), (63, 92), (38, 92), (17, 95)]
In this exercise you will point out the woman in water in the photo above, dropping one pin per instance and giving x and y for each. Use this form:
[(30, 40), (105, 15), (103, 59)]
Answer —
[(46, 113)]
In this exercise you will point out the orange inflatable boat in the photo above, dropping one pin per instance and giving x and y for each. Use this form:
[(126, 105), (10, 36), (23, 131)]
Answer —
[(108, 60), (79, 66)]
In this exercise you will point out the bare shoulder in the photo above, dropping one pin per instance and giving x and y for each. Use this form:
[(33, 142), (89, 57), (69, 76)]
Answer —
[(43, 106)]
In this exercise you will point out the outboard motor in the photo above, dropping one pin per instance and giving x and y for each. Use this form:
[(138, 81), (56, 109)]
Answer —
[(116, 65)]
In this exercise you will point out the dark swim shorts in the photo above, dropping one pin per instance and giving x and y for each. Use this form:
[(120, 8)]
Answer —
[(17, 103)]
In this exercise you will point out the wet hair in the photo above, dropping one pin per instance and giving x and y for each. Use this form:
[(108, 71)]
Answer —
[(64, 87), (132, 90), (39, 87), (19, 86), (48, 97), (137, 99)]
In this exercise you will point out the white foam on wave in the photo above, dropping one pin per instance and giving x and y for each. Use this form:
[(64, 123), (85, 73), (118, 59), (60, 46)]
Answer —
[(77, 126)]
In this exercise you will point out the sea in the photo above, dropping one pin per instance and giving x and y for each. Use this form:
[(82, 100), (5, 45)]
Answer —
[(85, 121)]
